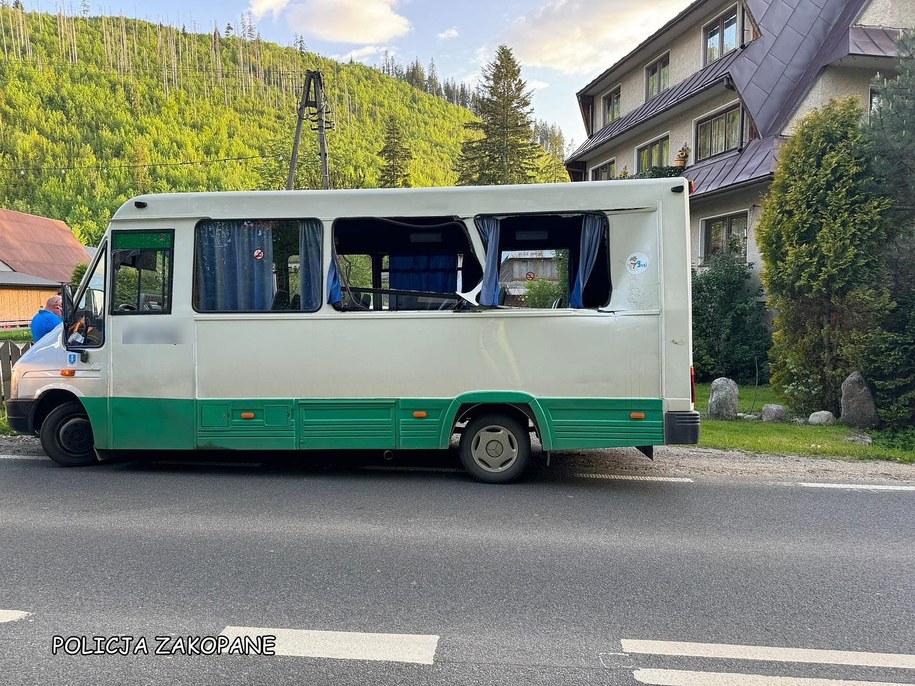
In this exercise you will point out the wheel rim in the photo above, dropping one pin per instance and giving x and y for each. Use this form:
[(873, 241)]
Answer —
[(75, 436), (494, 449)]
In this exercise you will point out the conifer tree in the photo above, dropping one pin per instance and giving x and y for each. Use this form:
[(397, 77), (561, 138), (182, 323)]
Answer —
[(892, 132), (501, 148), (395, 155), (820, 235)]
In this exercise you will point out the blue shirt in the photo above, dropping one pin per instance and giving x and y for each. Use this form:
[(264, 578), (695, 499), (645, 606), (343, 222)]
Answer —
[(43, 323)]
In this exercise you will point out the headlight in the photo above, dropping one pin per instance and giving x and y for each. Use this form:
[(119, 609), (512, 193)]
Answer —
[(14, 384)]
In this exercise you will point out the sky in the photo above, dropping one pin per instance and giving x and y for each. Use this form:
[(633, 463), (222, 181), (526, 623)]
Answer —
[(561, 44)]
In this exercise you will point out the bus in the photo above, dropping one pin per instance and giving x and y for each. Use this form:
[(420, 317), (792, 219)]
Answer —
[(375, 320)]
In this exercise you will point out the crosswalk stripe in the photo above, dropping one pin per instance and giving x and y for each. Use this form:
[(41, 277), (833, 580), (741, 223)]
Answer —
[(672, 677), (344, 645), (770, 654), (869, 487), (12, 615)]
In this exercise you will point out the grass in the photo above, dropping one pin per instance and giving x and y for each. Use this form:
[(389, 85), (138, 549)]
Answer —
[(5, 429), (791, 439), (15, 335)]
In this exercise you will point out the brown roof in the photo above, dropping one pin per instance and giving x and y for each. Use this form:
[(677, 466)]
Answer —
[(39, 246)]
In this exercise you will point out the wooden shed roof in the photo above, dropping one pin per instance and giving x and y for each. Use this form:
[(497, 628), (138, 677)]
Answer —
[(39, 246)]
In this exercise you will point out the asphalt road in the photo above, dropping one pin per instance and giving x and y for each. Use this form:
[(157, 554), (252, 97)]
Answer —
[(560, 579)]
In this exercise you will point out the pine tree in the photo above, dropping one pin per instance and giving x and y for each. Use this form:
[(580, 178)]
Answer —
[(501, 148), (820, 235), (395, 155), (892, 120)]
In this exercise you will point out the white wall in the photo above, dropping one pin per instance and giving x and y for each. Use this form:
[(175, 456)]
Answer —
[(749, 200), (890, 13)]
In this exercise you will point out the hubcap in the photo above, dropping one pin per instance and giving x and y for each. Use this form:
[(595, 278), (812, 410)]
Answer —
[(494, 448), (75, 436)]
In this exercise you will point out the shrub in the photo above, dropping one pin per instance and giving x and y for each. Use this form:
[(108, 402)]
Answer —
[(729, 335), (542, 293)]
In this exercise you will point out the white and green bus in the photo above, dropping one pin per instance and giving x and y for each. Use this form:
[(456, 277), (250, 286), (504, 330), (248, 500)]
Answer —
[(374, 319)]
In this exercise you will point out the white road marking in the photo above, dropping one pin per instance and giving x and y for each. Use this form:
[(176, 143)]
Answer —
[(869, 487), (23, 457), (344, 645), (770, 654), (626, 477), (12, 615), (671, 677)]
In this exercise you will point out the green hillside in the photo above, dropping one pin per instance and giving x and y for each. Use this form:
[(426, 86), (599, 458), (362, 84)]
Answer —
[(95, 110)]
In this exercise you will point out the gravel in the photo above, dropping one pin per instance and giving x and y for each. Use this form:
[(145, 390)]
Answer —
[(672, 461)]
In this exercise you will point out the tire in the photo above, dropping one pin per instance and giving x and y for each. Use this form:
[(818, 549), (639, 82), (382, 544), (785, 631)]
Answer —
[(495, 448), (66, 436)]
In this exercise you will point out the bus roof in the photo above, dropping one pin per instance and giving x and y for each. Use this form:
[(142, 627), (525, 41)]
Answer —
[(449, 201)]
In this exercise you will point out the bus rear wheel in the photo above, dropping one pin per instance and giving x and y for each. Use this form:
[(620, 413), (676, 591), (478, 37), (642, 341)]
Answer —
[(495, 448), (66, 436)]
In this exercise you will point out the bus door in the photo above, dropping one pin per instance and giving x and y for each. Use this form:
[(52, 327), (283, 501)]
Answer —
[(152, 367)]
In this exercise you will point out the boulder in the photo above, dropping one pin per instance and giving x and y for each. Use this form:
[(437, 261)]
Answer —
[(774, 413), (722, 403), (858, 407), (822, 418)]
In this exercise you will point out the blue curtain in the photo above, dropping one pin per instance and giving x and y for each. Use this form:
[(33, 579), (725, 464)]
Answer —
[(310, 264), (489, 230), (334, 291), (592, 230), (235, 266), (432, 273)]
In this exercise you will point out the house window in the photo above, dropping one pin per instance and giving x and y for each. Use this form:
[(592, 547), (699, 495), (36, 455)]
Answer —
[(657, 77), (655, 154), (874, 100), (727, 235), (719, 133), (604, 172), (721, 36), (611, 106)]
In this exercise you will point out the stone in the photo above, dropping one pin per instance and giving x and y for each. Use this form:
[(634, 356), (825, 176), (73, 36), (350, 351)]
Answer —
[(858, 407), (774, 413), (862, 439), (722, 403), (822, 418)]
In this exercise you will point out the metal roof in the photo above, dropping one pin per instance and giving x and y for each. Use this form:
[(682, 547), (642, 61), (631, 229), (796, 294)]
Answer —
[(20, 279), (39, 246), (755, 162), (771, 74), (704, 78), (873, 41)]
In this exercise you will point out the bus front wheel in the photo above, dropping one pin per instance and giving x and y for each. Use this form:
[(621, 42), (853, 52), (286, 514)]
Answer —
[(66, 436), (495, 448)]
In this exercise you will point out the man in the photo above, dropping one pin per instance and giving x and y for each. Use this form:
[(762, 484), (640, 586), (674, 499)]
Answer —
[(48, 318)]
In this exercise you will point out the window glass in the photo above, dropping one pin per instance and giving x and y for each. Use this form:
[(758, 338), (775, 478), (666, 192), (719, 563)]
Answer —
[(258, 266), (142, 272), (658, 76), (86, 324), (612, 106), (721, 36), (726, 235), (604, 172), (719, 134), (655, 154)]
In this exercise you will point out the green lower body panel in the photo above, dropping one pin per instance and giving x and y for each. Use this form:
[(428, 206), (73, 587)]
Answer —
[(351, 424)]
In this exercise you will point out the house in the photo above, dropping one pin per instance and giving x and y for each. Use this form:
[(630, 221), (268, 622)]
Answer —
[(729, 80), (37, 256), (521, 267)]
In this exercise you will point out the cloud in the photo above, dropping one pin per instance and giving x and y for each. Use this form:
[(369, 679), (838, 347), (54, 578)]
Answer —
[(449, 34), (537, 85), (261, 7), (582, 36), (347, 21), (361, 54)]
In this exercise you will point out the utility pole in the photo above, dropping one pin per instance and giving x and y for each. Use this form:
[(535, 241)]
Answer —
[(313, 98)]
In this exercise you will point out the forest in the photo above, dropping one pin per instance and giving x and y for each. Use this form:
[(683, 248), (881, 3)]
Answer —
[(95, 110)]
